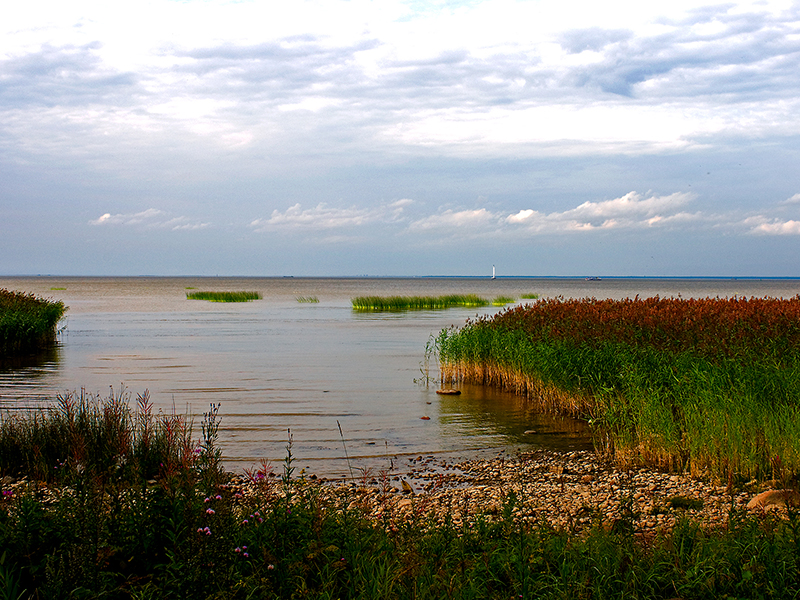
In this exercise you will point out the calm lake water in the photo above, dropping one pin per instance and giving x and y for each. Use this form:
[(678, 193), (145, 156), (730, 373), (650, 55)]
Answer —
[(277, 364)]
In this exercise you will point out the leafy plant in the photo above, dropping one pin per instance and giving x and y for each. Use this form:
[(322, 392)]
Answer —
[(224, 296)]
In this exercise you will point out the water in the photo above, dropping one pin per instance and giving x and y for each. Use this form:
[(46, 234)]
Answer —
[(277, 364)]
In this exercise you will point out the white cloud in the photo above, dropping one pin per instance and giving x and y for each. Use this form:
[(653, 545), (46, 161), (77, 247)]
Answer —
[(457, 219), (625, 212), (490, 77), (793, 200), (152, 218), (764, 226), (323, 217)]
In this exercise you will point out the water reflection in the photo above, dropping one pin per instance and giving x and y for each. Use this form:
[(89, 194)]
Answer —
[(31, 376), (509, 420)]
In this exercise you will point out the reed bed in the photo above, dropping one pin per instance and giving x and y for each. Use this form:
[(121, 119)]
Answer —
[(701, 385), (27, 323), (402, 303), (308, 299), (224, 296), (503, 300)]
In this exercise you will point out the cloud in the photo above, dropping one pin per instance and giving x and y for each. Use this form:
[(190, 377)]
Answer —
[(626, 212), (488, 76), (793, 200), (458, 219), (631, 211), (322, 217), (763, 226), (152, 218)]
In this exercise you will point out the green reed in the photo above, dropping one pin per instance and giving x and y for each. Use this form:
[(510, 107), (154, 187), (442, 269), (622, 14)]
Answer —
[(308, 299), (503, 300), (27, 323), (402, 303), (698, 385), (224, 296), (529, 296)]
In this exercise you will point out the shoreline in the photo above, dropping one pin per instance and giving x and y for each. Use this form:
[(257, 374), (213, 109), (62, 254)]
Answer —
[(571, 491)]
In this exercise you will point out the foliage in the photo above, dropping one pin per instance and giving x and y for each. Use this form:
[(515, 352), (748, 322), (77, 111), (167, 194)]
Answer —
[(308, 299), (194, 532), (685, 384), (224, 296), (401, 303), (27, 323)]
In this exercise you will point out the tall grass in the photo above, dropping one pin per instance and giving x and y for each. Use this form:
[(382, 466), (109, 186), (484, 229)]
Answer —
[(109, 525), (685, 384), (27, 323), (401, 303), (224, 296), (99, 437), (308, 299)]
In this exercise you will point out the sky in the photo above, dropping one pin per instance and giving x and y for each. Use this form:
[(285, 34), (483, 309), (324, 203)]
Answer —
[(400, 138)]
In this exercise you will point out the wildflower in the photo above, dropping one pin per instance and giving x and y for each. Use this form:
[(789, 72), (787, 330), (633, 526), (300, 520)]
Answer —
[(207, 530), (207, 500), (245, 522), (237, 550), (7, 493), (218, 497), (270, 567), (210, 511), (246, 555)]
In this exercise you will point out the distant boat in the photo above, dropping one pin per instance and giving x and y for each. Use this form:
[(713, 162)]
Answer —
[(493, 277), (592, 279)]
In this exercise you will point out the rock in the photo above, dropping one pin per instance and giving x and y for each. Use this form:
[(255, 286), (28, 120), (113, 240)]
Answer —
[(777, 498)]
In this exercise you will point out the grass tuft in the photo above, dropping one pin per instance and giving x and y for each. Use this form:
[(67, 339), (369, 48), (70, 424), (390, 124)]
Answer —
[(27, 323), (503, 300), (402, 303), (529, 296), (308, 299), (224, 296)]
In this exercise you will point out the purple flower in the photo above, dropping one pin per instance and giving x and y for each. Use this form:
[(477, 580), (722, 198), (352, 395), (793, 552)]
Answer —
[(210, 511), (207, 530), (245, 522), (218, 497), (246, 555)]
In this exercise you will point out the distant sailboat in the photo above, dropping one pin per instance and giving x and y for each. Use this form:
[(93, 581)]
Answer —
[(493, 277)]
